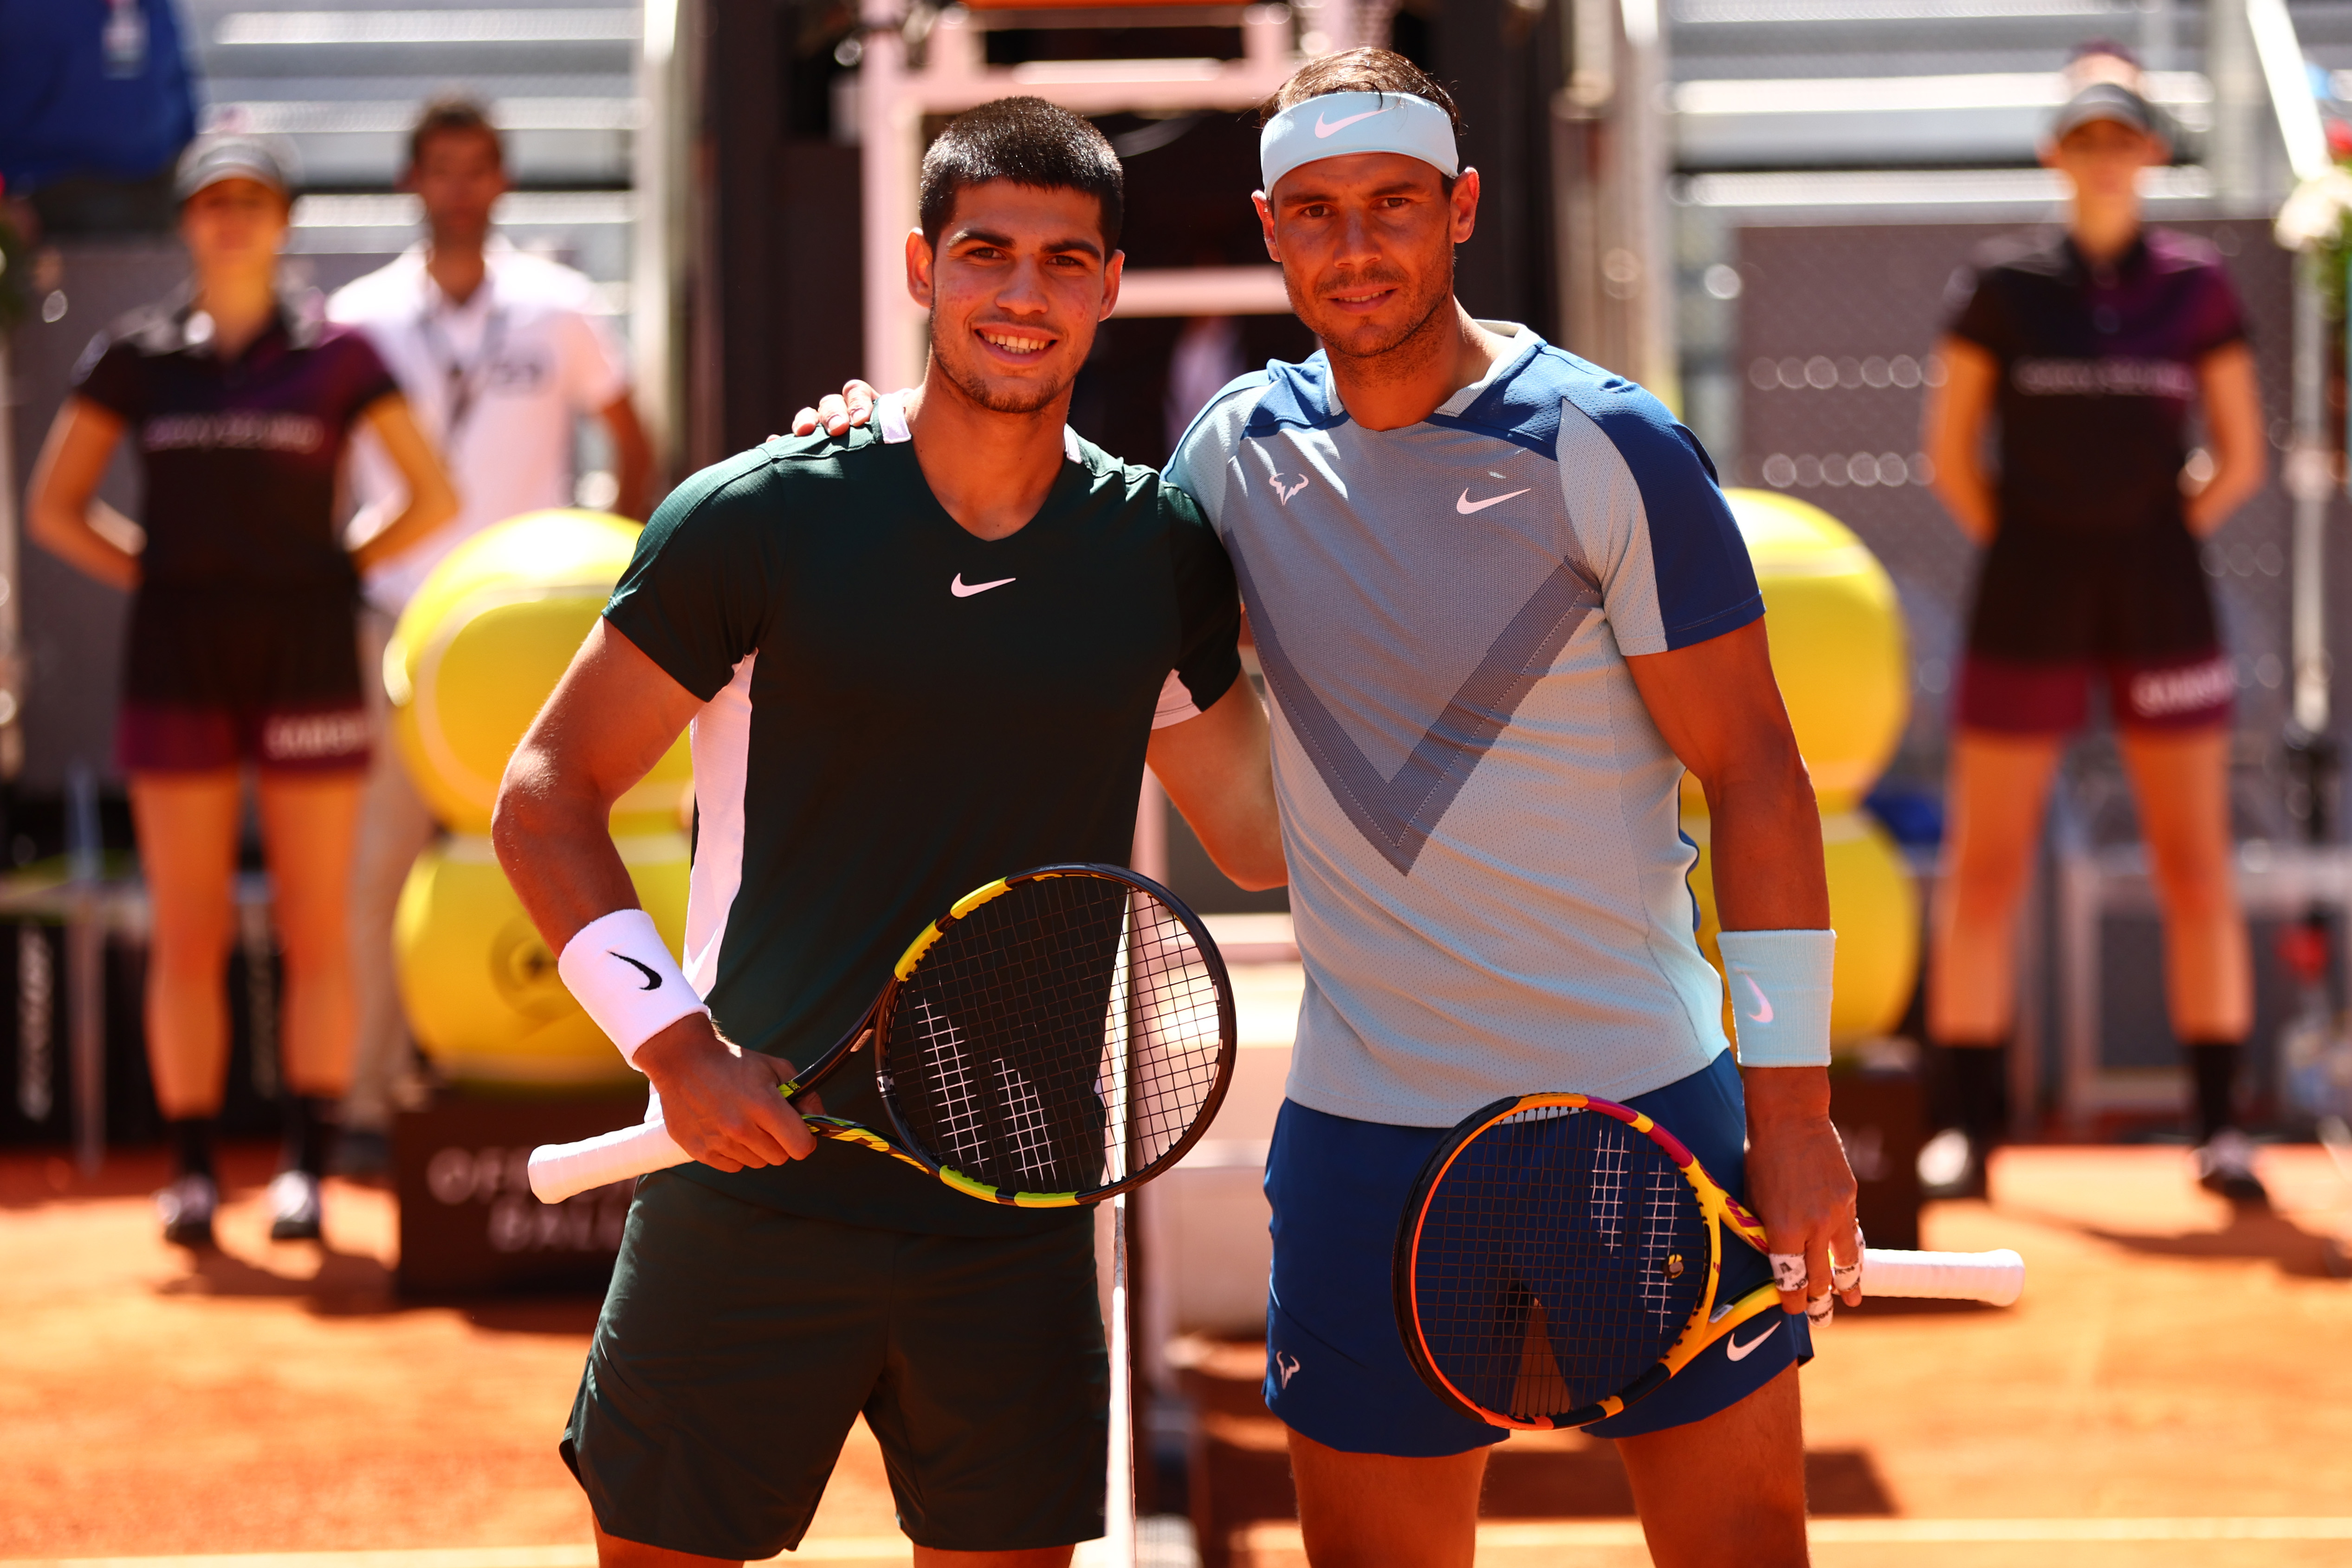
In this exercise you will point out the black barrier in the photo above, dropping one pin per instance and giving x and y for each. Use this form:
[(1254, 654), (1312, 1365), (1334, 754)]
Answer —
[(468, 1224), (1878, 1109)]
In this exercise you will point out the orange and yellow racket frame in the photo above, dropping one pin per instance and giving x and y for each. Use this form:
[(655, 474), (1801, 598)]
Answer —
[(1706, 1324)]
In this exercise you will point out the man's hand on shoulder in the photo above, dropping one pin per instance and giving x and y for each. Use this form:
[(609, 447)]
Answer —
[(719, 1101), (839, 412), (1799, 1182)]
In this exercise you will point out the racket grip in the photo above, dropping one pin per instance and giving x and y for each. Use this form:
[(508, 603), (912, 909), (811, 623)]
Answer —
[(1998, 1278), (559, 1170)]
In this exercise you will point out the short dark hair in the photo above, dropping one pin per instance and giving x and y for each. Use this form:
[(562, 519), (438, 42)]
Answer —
[(1359, 70), (453, 115), (1030, 143)]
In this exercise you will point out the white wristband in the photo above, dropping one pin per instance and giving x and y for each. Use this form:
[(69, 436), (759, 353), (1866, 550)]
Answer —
[(622, 974), (1780, 994)]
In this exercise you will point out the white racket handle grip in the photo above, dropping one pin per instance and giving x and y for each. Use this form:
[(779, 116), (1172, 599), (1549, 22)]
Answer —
[(559, 1171), (1998, 1278)]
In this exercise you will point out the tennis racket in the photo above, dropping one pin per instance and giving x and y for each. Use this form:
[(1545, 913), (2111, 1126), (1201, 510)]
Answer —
[(1561, 1256), (1055, 1038)]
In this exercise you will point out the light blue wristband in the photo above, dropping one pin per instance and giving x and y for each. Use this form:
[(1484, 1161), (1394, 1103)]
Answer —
[(1781, 995)]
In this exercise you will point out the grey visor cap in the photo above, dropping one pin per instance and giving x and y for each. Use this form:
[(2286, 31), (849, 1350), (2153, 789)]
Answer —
[(209, 160), (2106, 100)]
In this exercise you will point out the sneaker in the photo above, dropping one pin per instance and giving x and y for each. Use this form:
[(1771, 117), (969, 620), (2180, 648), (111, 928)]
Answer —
[(185, 1207), (294, 1206), (1950, 1167), (2226, 1166)]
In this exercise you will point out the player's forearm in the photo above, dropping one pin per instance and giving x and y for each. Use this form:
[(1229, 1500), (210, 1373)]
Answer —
[(553, 841), (1765, 843), (1244, 841), (1219, 772), (614, 715), (1783, 1098)]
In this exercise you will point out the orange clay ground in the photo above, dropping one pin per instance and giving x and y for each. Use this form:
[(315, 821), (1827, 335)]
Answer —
[(2176, 1388)]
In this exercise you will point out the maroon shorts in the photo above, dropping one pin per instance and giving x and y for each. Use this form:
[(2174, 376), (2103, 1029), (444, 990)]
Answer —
[(2183, 692), (169, 739), (222, 673)]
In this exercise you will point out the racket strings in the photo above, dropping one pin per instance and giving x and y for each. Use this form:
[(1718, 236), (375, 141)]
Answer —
[(1556, 1260), (960, 1122), (1171, 1027), (1065, 1034)]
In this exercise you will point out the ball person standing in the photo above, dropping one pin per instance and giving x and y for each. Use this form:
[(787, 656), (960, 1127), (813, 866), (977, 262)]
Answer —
[(239, 403), (2091, 348)]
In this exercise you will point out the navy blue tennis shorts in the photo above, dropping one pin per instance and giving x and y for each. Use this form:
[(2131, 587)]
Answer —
[(1336, 1367)]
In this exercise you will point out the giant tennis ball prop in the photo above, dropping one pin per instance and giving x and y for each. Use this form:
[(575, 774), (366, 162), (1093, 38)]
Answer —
[(1839, 653), (1874, 908), (483, 644), (1838, 648), (479, 985), (475, 657)]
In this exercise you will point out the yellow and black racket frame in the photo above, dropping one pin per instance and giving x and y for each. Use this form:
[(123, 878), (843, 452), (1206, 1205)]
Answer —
[(1706, 1325), (908, 1150)]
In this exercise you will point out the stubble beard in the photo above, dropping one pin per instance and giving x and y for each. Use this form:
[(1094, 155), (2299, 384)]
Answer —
[(1029, 400), (1410, 348)]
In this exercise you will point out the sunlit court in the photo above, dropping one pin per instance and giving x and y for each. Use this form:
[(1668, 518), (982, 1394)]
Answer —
[(2116, 1415), (1150, 783)]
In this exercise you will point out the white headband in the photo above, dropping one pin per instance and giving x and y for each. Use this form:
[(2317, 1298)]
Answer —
[(1339, 123)]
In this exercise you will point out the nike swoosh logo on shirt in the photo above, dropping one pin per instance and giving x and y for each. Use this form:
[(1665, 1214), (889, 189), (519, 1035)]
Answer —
[(1322, 129), (1763, 1001), (964, 590), (1734, 1350), (1465, 506)]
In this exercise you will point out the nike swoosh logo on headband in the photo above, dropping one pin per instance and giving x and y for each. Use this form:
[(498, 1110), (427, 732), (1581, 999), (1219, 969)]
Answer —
[(1322, 129)]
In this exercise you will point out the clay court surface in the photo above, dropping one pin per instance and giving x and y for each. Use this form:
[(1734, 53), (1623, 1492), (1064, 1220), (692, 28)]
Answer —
[(2176, 1388)]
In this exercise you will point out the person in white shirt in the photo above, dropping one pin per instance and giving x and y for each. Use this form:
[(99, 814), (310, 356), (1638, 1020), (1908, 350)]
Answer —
[(501, 355)]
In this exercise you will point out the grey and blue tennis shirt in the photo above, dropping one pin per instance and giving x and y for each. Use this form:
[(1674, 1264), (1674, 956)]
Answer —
[(1487, 865)]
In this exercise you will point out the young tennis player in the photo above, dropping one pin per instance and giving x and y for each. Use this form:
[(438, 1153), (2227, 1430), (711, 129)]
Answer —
[(1502, 605), (914, 659)]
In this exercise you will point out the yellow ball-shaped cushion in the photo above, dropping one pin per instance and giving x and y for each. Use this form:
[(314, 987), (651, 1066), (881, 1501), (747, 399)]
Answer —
[(482, 644), (1874, 908), (1838, 646), (479, 985)]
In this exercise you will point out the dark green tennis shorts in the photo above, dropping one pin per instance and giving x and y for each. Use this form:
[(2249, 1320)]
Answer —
[(738, 1344)]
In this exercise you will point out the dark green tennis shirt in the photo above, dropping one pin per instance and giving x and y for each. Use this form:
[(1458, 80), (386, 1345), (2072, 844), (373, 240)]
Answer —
[(897, 713)]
